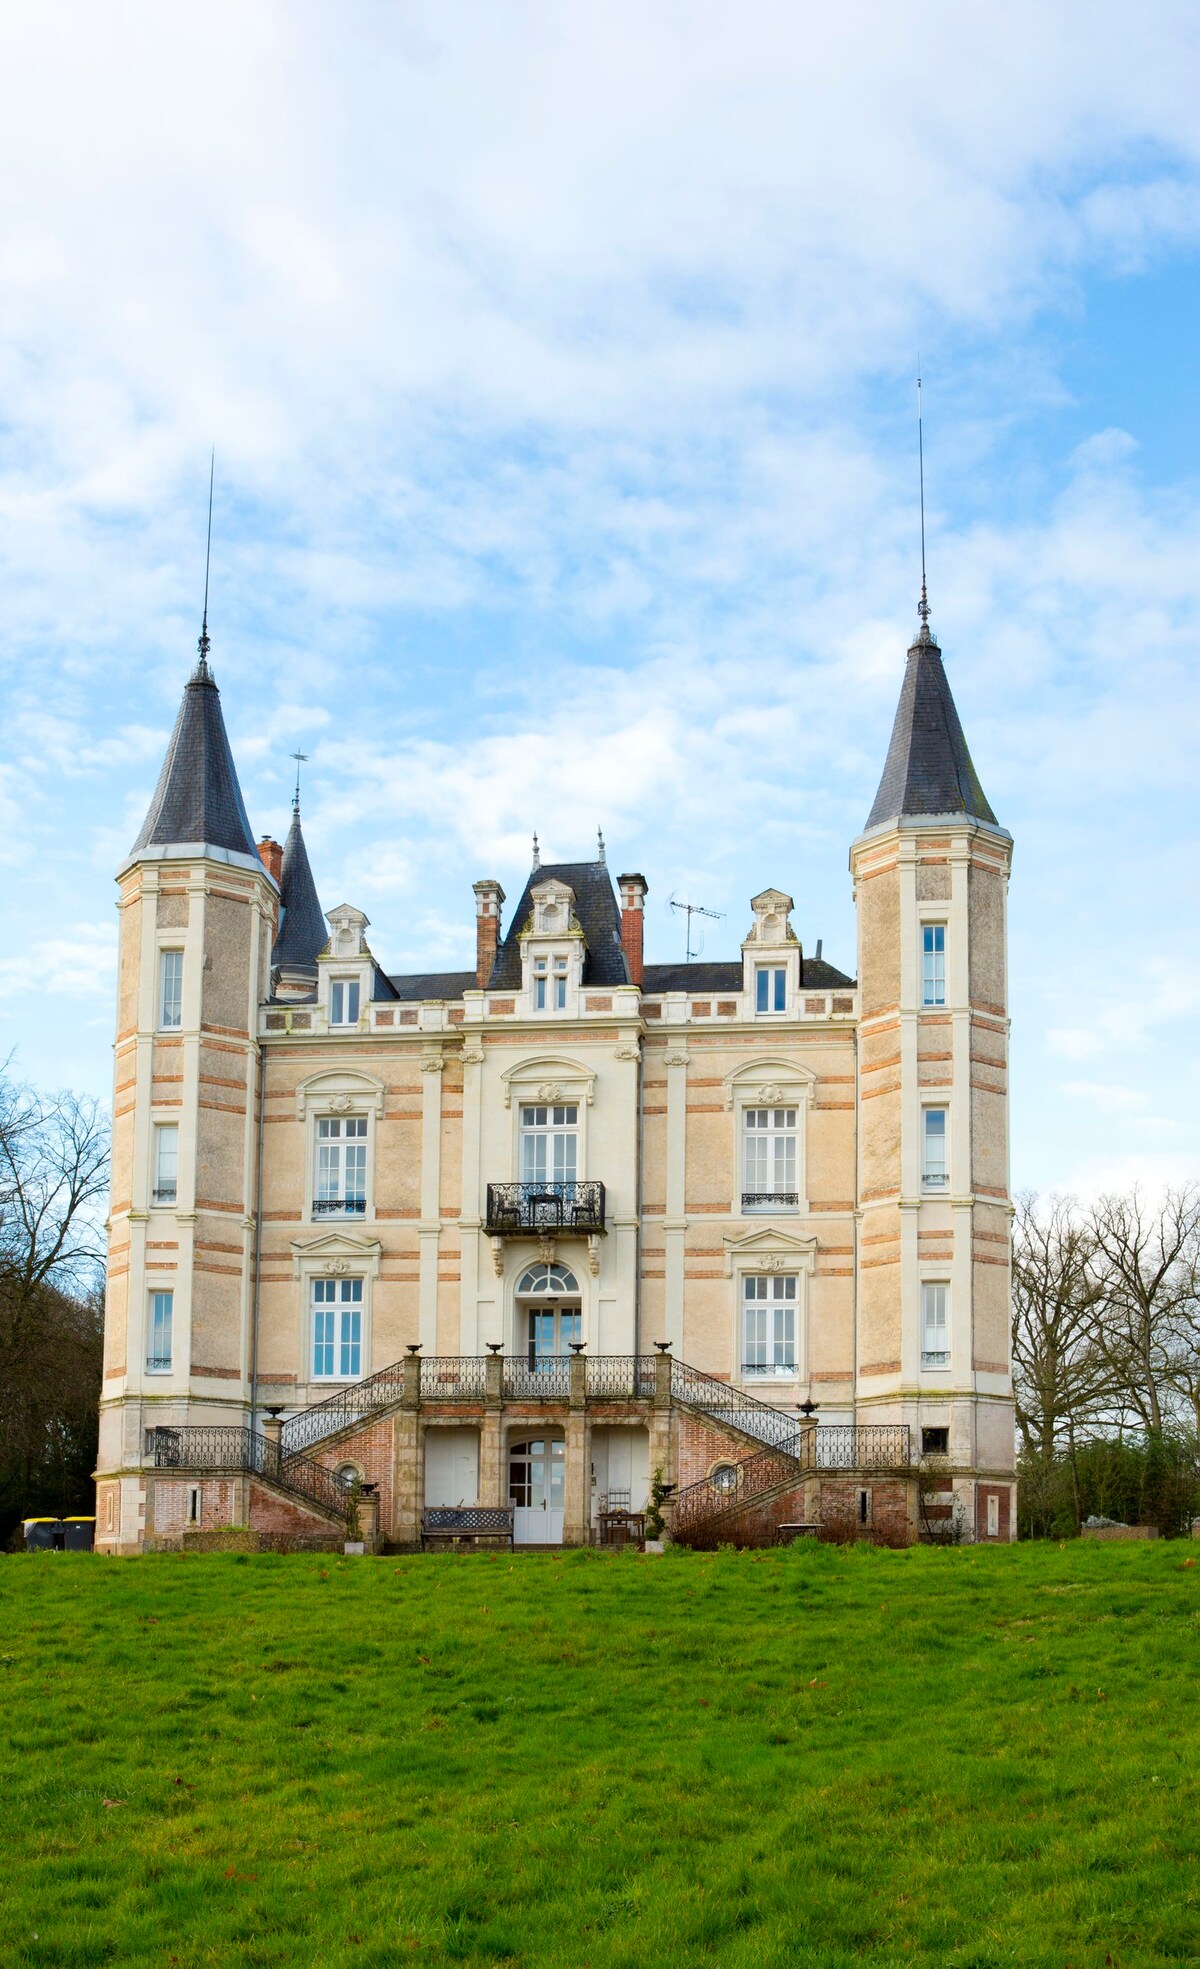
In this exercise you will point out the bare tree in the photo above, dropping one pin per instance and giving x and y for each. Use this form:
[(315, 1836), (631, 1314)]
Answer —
[(1144, 1267), (53, 1179), (1062, 1380)]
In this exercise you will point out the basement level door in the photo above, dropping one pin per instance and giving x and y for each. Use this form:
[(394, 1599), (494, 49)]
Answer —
[(536, 1482)]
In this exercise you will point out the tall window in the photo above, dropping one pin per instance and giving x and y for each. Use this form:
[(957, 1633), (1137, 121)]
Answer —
[(933, 1148), (770, 988), (162, 1313), (341, 1167), (166, 1161), (170, 989), (769, 1159), (337, 1329), (935, 1326), (343, 1002), (549, 1144), (769, 1346), (549, 983), (933, 964)]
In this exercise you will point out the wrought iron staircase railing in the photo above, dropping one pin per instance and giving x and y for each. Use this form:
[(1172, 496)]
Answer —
[(700, 1508), (237, 1450), (705, 1395)]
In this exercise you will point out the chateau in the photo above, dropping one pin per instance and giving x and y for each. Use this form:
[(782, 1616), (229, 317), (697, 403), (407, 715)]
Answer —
[(512, 1239)]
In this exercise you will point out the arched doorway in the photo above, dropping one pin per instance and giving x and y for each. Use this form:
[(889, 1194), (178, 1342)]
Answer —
[(549, 1315), (537, 1488)]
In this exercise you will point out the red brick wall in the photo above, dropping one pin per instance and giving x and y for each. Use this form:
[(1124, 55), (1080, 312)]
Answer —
[(269, 1513), (372, 1448), (982, 1493)]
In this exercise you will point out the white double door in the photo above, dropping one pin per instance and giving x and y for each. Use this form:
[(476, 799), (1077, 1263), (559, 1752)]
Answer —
[(536, 1489)]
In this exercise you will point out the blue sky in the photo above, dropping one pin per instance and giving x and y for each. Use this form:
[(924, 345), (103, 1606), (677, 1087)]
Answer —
[(559, 367)]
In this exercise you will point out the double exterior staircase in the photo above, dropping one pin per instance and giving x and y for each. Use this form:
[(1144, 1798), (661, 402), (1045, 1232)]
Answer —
[(780, 1450)]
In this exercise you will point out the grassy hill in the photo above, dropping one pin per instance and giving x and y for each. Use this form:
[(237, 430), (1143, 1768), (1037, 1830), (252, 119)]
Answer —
[(815, 1756)]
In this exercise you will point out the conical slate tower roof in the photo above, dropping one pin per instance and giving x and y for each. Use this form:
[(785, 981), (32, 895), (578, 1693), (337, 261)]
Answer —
[(302, 932), (929, 769), (198, 800)]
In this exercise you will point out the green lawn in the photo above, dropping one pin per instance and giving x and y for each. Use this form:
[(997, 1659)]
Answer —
[(810, 1756)]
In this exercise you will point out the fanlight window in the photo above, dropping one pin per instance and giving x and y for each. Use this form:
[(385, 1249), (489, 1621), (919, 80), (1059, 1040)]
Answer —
[(547, 1278)]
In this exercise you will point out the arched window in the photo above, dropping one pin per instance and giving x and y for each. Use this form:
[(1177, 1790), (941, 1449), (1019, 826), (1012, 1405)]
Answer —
[(554, 1279)]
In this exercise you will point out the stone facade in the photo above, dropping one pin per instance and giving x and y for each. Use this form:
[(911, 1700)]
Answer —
[(567, 1146)]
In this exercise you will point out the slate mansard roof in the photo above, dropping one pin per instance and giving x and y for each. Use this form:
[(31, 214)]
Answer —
[(198, 799), (599, 919), (929, 769)]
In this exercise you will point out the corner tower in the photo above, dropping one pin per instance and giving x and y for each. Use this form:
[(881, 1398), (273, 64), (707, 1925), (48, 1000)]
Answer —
[(930, 881), (197, 916)]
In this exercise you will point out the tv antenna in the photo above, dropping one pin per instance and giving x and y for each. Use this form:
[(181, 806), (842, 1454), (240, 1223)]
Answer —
[(690, 909)]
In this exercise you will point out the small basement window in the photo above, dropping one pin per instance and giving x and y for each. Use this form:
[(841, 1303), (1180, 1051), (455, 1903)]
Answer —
[(935, 1442)]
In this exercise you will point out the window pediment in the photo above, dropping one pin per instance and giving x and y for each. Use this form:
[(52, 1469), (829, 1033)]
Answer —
[(335, 1253), (548, 1080), (339, 1090), (770, 1082), (769, 1250)]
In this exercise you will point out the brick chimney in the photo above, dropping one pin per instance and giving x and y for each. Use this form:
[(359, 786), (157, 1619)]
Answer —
[(270, 855), (488, 898), (633, 902)]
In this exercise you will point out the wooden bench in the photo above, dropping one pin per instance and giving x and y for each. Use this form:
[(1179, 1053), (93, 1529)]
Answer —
[(454, 1524)]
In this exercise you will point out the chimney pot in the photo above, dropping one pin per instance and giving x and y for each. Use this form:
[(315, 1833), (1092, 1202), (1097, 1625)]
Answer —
[(634, 889), (270, 855), (489, 898)]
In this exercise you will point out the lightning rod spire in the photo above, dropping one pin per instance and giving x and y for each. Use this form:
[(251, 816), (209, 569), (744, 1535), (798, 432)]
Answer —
[(301, 759), (923, 604), (202, 666)]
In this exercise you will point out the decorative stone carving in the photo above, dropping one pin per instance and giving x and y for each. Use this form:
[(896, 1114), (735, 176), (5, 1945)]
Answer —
[(628, 1053), (338, 1267), (340, 1104), (773, 1263), (547, 1248), (676, 1059), (472, 1056), (497, 1244), (549, 1092), (434, 1064), (594, 1256), (771, 1093)]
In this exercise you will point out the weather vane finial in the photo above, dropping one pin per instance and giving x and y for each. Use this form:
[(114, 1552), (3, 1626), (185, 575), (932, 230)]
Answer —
[(923, 604), (202, 666), (301, 759)]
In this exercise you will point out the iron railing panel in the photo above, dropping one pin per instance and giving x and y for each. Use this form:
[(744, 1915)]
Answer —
[(233, 1449), (620, 1377), (532, 1209), (546, 1380), (352, 1404), (454, 1378)]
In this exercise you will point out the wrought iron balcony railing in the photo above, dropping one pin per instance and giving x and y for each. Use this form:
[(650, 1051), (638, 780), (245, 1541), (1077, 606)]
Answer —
[(533, 1209), (770, 1199), (158, 1363), (339, 1206), (165, 1193)]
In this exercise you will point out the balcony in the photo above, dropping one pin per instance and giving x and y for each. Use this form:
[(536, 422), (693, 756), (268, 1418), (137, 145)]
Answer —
[(545, 1209), (753, 1200), (339, 1206), (165, 1193)]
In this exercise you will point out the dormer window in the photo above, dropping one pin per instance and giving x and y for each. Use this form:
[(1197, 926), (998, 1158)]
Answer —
[(343, 1001), (770, 993)]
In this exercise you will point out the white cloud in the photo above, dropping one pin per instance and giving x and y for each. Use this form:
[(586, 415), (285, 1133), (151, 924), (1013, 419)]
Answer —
[(82, 963)]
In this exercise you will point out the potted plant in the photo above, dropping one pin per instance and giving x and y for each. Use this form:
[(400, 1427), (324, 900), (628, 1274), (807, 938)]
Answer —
[(656, 1524)]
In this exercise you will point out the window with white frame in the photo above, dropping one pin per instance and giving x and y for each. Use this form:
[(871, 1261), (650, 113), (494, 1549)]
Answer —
[(935, 1325), (343, 1001), (341, 1166), (160, 1338), (933, 964), (769, 1325), (337, 1315), (769, 1159), (933, 1149), (550, 1144), (166, 1161), (550, 983), (770, 988), (170, 990)]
